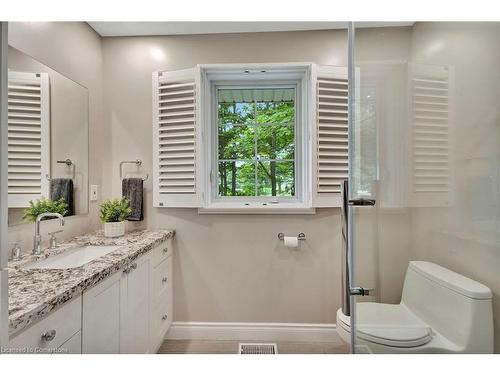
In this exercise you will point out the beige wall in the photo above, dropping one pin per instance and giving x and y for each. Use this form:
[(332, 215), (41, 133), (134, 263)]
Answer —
[(232, 268), (74, 50)]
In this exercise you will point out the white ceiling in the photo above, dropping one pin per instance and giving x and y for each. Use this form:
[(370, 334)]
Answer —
[(186, 28)]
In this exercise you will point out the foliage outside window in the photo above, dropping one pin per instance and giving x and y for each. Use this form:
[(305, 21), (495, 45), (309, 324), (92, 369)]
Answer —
[(256, 142)]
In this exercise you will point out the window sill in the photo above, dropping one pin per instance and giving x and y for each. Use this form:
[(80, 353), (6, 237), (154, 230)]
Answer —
[(257, 209)]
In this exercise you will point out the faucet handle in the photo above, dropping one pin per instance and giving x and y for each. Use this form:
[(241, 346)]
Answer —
[(53, 239), (15, 251)]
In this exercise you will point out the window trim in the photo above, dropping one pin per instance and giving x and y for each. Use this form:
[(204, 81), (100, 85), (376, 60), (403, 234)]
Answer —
[(235, 75)]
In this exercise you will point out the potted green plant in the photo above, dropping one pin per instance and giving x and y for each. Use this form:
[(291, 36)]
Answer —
[(113, 213), (43, 205)]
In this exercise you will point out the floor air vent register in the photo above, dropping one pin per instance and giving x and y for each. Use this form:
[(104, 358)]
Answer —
[(253, 348)]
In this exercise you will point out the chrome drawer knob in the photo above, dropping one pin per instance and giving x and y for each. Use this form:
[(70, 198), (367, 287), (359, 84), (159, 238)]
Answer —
[(165, 250), (164, 317), (133, 266), (49, 335), (164, 280)]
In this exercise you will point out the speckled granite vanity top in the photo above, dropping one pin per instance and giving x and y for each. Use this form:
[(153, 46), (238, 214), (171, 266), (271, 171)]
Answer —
[(34, 293)]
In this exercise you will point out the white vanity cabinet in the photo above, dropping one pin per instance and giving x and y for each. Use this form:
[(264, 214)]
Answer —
[(101, 316), (134, 307), (130, 311), (59, 332)]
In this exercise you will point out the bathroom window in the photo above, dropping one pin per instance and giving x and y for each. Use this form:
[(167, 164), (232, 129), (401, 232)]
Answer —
[(257, 150), (256, 142), (250, 138)]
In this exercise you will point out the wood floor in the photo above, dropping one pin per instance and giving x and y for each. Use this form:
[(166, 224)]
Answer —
[(231, 347)]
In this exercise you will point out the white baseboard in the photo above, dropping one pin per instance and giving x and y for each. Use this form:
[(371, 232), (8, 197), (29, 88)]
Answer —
[(253, 331)]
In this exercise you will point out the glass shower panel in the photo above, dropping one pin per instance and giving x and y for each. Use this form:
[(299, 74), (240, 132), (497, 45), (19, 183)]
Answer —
[(425, 145)]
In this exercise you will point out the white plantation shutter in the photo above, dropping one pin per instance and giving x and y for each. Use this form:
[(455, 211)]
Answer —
[(176, 138), (28, 137), (330, 138), (431, 178)]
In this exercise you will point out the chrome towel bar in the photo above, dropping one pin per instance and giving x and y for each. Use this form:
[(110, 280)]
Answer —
[(69, 163), (137, 162)]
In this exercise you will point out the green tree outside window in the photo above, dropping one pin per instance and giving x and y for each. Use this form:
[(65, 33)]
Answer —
[(256, 146)]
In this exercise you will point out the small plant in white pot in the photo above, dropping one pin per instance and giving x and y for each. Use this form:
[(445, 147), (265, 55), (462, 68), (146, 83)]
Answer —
[(113, 213)]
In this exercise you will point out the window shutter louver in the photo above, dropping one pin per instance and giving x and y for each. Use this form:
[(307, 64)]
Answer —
[(430, 118), (175, 138), (330, 138), (28, 137)]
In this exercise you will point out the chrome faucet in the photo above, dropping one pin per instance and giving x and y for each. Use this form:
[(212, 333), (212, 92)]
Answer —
[(37, 240)]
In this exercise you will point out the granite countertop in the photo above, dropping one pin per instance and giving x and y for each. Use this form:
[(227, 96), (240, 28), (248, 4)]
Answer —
[(34, 293)]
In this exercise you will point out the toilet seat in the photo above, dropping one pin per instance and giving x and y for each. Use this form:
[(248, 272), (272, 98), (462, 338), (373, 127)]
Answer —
[(401, 337), (389, 325)]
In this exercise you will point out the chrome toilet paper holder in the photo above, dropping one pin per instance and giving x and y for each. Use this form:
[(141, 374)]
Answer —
[(300, 237)]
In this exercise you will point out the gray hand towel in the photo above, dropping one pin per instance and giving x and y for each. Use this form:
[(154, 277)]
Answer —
[(132, 189), (63, 188)]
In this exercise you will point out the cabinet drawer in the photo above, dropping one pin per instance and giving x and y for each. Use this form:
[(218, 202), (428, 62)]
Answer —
[(162, 278), (161, 318), (52, 331), (162, 251)]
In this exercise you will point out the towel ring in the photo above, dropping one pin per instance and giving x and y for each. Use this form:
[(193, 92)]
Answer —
[(137, 162), (69, 163)]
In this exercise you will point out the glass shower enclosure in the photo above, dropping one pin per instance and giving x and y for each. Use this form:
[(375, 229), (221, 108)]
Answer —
[(424, 179)]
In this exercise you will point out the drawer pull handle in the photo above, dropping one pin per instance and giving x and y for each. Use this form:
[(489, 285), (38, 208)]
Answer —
[(133, 266), (164, 317), (165, 250), (49, 335), (164, 280)]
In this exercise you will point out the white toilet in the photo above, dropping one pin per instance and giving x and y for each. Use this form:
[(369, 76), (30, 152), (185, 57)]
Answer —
[(440, 312)]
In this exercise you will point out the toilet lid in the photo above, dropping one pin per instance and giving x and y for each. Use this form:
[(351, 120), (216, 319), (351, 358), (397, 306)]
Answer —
[(390, 325)]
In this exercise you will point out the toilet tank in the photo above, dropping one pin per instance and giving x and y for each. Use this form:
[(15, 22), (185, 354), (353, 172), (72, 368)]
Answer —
[(458, 308)]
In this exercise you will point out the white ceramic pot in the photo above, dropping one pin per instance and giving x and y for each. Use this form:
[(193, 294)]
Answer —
[(116, 229)]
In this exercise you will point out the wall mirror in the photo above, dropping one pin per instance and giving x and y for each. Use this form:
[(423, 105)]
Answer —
[(48, 140)]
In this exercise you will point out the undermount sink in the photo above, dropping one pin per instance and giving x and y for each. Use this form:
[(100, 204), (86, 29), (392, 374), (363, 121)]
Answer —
[(72, 258)]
